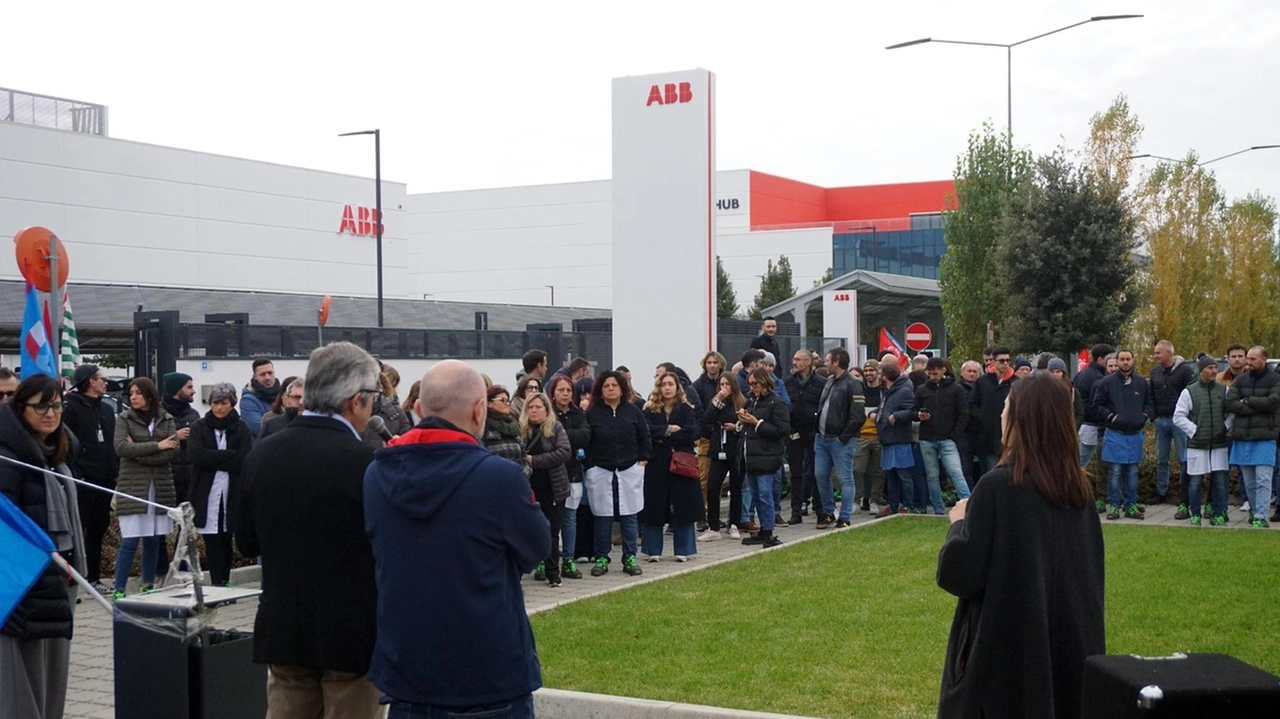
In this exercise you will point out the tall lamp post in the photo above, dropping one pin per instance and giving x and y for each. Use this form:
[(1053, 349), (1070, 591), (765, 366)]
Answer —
[(1206, 162), (1008, 48), (377, 179), (553, 294)]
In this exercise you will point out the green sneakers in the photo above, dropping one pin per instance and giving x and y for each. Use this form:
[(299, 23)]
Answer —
[(601, 568), (629, 566), (569, 569), (540, 574), (1218, 520), (1259, 524), (1182, 513), (1195, 520), (1113, 512), (117, 595), (1133, 511), (1101, 506)]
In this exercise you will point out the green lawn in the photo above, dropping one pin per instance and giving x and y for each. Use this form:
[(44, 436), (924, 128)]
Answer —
[(856, 627)]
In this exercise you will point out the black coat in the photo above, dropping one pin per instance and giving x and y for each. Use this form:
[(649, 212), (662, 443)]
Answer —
[(805, 396), (619, 438), (303, 512), (1167, 386), (1029, 577), (184, 415), (770, 344), (765, 445), (948, 406), (713, 422), (1124, 408), (574, 421), (45, 611), (393, 414), (94, 424), (986, 404), (670, 498), (207, 460), (1084, 383), (896, 402), (1255, 401), (708, 387), (277, 423)]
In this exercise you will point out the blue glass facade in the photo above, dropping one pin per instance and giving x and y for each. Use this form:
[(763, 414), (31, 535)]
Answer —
[(915, 252)]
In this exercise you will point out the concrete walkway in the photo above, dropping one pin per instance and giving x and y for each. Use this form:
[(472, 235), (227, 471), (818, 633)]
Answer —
[(91, 695)]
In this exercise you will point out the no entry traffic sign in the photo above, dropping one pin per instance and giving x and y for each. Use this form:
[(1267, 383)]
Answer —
[(918, 336)]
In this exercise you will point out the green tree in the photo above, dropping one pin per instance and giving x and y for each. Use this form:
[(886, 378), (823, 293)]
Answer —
[(726, 297), (775, 287), (1113, 139), (826, 277), (1066, 259), (987, 175)]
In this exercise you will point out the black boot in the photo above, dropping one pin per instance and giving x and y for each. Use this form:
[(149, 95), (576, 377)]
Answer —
[(767, 539)]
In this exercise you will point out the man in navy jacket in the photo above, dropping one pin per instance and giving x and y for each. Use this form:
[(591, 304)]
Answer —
[(453, 528)]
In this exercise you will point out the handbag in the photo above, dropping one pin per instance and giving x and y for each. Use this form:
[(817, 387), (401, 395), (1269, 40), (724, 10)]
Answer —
[(684, 464)]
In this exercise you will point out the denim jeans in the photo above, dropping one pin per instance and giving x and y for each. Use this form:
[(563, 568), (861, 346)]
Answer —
[(828, 453), (779, 480), (748, 501), (1086, 454), (762, 485), (986, 462), (683, 540), (124, 559), (604, 535), (569, 531), (945, 454), (1166, 432), (1130, 484), (901, 490), (521, 708), (1258, 480), (1217, 493)]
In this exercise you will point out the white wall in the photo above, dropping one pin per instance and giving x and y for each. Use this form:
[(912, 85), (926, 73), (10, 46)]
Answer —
[(210, 372), (746, 255), (132, 213)]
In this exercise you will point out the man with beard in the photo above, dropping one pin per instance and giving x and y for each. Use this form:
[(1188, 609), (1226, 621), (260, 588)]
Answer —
[(291, 404), (258, 396)]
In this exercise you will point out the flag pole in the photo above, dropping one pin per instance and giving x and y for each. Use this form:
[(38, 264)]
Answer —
[(55, 314), (84, 583)]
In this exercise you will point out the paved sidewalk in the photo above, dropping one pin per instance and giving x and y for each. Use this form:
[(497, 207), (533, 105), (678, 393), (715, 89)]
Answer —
[(91, 694)]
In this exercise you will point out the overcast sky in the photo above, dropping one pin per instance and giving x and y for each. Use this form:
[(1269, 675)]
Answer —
[(484, 94)]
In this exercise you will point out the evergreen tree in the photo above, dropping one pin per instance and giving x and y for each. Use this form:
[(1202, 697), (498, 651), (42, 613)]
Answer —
[(775, 287), (726, 297), (826, 277)]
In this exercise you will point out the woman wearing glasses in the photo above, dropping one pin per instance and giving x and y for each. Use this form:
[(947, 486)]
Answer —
[(147, 443), (765, 423), (526, 387), (502, 429), (219, 443), (35, 644)]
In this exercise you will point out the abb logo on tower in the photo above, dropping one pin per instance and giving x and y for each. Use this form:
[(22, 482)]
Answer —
[(362, 222), (670, 94)]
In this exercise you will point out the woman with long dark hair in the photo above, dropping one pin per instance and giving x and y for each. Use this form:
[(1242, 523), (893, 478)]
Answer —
[(219, 443), (502, 429), (35, 644), (574, 421), (765, 423), (146, 440), (1024, 555), (619, 450), (528, 385), (720, 424), (670, 498)]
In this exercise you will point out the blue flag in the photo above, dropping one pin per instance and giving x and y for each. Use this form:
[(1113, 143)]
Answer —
[(24, 553), (37, 351)]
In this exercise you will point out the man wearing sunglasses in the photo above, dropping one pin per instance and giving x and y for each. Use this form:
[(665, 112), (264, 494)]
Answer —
[(986, 404), (94, 424), (8, 384)]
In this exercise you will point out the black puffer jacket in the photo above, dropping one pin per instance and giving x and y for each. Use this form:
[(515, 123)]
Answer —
[(45, 611), (713, 422), (548, 460), (619, 438), (948, 407), (806, 394), (1125, 408), (184, 415), (1167, 386), (574, 421), (94, 424), (1254, 398), (765, 445)]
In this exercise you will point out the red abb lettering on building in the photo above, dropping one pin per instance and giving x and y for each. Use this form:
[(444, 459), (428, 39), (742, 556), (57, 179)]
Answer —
[(362, 221), (670, 94)]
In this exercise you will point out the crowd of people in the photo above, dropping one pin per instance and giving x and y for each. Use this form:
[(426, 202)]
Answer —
[(286, 472)]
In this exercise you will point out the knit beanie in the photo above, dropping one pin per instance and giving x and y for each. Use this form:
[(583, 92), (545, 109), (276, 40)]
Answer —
[(82, 376), (1057, 364), (1206, 361), (1021, 362), (172, 382)]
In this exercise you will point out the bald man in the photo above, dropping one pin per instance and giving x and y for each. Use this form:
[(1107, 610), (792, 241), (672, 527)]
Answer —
[(453, 528)]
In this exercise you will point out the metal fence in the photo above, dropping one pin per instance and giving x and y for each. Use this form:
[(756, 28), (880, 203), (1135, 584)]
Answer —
[(221, 341), (28, 108)]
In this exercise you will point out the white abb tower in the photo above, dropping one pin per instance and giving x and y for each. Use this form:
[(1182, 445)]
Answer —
[(664, 251)]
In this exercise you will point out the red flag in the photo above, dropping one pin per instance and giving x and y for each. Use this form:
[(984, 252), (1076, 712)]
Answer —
[(1082, 360), (890, 345)]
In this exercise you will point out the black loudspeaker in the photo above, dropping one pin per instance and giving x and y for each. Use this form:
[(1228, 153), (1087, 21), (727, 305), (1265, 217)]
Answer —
[(1183, 686)]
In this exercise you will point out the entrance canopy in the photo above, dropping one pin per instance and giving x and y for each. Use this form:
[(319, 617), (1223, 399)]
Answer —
[(884, 301)]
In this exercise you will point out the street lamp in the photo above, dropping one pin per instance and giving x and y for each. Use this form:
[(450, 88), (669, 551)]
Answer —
[(1206, 162), (377, 179), (553, 294), (1008, 47)]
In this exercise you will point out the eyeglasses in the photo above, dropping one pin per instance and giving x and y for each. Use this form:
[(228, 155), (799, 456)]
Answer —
[(44, 408), (755, 384), (8, 394), (1002, 360), (503, 400), (294, 397)]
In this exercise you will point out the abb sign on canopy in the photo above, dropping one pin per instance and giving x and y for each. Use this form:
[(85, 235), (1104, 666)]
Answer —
[(361, 221), (670, 93)]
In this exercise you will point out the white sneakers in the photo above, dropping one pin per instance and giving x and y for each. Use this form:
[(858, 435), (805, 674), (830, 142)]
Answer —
[(710, 535), (681, 559), (874, 509), (654, 559), (733, 532)]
